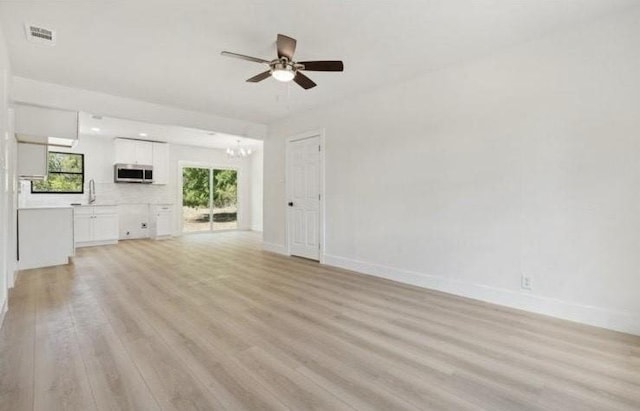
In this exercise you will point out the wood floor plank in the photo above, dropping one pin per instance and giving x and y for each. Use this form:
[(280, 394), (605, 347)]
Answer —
[(114, 377), (212, 322), (17, 346), (226, 383), (296, 390), (60, 381), (332, 357)]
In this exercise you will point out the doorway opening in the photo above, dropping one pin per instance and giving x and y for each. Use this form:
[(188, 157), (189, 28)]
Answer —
[(209, 199)]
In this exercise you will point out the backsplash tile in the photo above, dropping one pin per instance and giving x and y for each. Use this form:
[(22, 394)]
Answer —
[(106, 193)]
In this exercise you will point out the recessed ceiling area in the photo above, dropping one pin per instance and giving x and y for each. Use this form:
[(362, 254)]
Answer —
[(168, 52), (97, 126)]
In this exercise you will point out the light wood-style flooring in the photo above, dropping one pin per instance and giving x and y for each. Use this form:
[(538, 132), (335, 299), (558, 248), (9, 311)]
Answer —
[(211, 322)]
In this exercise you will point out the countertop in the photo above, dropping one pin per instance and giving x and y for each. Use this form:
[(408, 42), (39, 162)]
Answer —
[(44, 207), (94, 205), (117, 204)]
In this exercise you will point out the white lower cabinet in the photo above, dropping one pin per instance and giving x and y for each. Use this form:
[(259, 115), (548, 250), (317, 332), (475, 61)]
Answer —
[(45, 236), (163, 218), (105, 227), (95, 225), (82, 228)]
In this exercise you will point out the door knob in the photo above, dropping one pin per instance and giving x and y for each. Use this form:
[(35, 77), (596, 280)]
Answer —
[(290, 203)]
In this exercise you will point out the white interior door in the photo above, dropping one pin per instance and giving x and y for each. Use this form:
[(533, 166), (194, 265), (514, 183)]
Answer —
[(303, 179)]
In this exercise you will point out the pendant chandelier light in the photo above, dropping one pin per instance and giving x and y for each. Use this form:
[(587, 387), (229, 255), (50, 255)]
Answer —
[(238, 152)]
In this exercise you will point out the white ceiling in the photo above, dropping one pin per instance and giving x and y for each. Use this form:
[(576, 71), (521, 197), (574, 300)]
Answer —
[(92, 126), (168, 52)]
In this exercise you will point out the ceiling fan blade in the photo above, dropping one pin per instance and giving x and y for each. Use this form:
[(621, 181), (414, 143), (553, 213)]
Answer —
[(324, 65), (260, 77), (304, 81), (243, 57), (286, 46)]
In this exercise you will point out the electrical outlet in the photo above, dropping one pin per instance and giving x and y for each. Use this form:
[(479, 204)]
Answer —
[(526, 282), (143, 225)]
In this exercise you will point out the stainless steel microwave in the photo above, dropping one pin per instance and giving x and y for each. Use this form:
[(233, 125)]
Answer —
[(132, 173)]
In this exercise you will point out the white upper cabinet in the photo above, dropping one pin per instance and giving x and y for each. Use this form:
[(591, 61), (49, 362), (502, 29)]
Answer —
[(125, 151), (148, 153), (32, 161), (160, 163), (133, 152), (39, 124), (144, 153)]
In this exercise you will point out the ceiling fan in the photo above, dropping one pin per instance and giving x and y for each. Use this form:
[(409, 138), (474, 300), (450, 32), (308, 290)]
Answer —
[(284, 68)]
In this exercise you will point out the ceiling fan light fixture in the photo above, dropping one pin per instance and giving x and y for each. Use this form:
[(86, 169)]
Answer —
[(283, 75), (285, 68), (283, 71)]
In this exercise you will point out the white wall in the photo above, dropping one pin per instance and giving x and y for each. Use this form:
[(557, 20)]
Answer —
[(53, 95), (99, 154), (99, 157), (188, 155), (257, 184), (462, 179), (7, 176)]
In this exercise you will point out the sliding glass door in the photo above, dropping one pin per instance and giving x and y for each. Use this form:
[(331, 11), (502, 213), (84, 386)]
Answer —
[(224, 199), (209, 199)]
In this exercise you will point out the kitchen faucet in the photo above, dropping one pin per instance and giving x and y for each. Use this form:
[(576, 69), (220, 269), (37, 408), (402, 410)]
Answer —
[(92, 191)]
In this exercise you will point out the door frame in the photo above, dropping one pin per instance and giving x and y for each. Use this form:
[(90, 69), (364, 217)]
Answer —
[(320, 133), (211, 166)]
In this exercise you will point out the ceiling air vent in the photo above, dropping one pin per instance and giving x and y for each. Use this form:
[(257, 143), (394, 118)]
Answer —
[(40, 35)]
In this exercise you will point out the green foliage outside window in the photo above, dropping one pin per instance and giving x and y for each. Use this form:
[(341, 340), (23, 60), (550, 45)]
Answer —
[(66, 174), (225, 192), (195, 187)]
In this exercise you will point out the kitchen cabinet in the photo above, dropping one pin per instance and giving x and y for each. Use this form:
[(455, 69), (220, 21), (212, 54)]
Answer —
[(163, 220), (125, 151), (160, 163), (130, 151), (46, 125), (45, 236), (32, 161), (95, 225), (83, 227)]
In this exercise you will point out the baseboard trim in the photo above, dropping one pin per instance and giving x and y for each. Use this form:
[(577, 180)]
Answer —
[(41, 264), (274, 248), (13, 276), (600, 317), (105, 242), (3, 310)]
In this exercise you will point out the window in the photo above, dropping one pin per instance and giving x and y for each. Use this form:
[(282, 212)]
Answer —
[(66, 175)]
